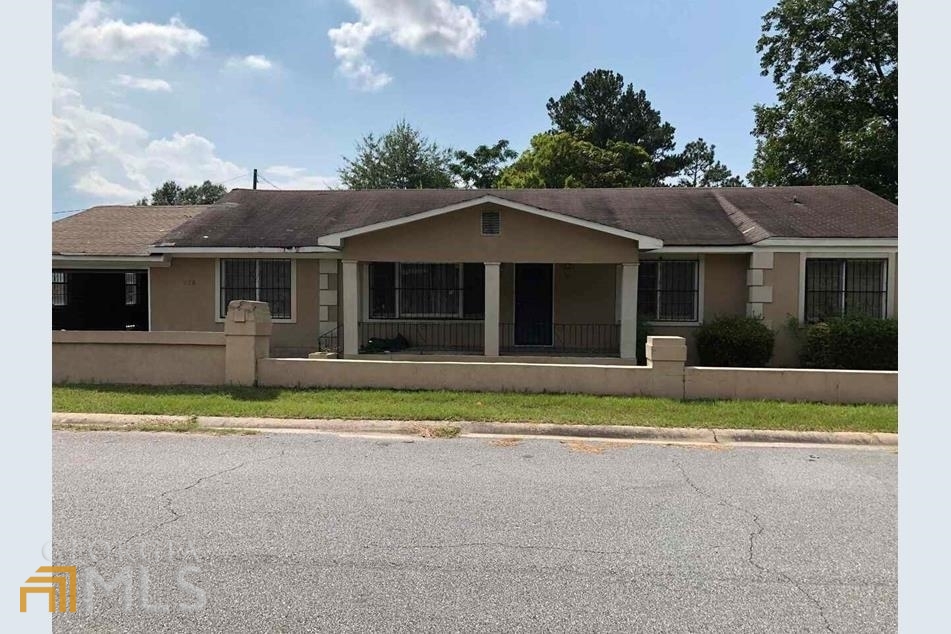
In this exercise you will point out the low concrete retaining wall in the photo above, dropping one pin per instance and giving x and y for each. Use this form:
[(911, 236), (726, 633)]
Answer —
[(469, 376), (241, 356), (167, 357), (828, 386), (150, 358)]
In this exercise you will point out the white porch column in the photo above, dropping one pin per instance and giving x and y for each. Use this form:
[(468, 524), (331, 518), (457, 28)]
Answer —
[(629, 311), (351, 308), (491, 320)]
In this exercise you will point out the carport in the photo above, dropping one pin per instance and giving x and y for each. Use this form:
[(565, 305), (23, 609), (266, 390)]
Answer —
[(100, 299)]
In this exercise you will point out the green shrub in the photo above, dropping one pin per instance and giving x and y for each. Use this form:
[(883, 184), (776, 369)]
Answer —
[(735, 342), (852, 343)]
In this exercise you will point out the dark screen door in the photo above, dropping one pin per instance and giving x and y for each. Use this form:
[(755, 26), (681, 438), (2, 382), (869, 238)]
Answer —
[(533, 304)]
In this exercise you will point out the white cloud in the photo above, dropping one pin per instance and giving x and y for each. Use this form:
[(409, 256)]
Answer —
[(520, 11), (64, 89), (350, 40), (94, 184), (428, 27), (287, 177), (119, 161), (253, 62), (93, 34), (147, 84)]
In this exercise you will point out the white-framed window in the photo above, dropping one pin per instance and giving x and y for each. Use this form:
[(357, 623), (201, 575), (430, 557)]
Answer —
[(263, 280), (59, 288), (425, 290), (669, 290), (836, 287)]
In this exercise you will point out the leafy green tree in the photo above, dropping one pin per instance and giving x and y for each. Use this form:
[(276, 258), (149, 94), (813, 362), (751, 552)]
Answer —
[(835, 67), (600, 109), (562, 160), (204, 194), (168, 193), (701, 169), (400, 159), (481, 169), (171, 193)]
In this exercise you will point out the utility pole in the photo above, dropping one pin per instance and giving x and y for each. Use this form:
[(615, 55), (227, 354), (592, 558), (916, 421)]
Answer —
[(254, 180)]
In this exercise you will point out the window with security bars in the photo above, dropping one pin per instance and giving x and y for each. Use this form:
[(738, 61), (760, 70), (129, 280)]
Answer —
[(59, 288), (668, 290), (259, 280), (131, 289), (845, 287), (422, 290)]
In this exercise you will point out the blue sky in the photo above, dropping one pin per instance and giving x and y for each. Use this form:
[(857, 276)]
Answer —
[(146, 91)]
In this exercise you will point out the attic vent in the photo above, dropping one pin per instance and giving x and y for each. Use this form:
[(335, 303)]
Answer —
[(491, 223)]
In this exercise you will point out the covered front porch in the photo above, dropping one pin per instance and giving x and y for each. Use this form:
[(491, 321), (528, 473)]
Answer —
[(489, 310)]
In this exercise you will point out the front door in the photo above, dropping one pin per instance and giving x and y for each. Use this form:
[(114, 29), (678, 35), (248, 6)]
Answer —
[(533, 304)]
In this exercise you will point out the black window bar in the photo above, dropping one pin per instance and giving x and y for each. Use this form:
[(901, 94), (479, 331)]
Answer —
[(59, 288), (837, 287), (669, 290), (131, 289), (417, 290), (259, 280)]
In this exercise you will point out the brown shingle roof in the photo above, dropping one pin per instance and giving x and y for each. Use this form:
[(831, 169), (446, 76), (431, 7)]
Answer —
[(840, 211), (118, 230), (297, 218), (678, 216)]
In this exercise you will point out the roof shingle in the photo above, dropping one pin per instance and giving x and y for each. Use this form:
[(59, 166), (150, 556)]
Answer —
[(678, 216), (118, 230)]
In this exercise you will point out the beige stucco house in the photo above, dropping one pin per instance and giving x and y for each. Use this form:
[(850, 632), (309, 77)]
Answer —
[(481, 272)]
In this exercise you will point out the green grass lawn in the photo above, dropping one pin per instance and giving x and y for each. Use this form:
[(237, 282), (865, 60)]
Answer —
[(578, 409)]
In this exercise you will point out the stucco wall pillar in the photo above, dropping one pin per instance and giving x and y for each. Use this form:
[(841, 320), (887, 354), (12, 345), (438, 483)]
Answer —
[(491, 319), (759, 293), (666, 357), (327, 297), (351, 308), (247, 339), (629, 311)]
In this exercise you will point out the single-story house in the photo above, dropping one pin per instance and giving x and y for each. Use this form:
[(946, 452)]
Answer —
[(562, 272)]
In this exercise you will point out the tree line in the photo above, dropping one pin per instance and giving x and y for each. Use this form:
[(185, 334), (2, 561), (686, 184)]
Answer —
[(835, 121), (604, 133)]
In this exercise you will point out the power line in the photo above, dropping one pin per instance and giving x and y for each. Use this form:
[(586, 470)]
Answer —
[(245, 175), (268, 182)]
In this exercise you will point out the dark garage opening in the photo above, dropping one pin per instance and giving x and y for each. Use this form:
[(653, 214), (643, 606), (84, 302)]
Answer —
[(100, 299)]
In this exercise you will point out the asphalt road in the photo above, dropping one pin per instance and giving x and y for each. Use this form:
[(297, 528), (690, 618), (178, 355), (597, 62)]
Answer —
[(312, 532)]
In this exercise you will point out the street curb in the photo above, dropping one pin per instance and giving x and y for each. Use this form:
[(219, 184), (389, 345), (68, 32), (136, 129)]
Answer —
[(613, 432)]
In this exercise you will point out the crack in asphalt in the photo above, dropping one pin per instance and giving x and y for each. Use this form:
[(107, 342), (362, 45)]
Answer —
[(814, 600), (752, 543), (167, 500)]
